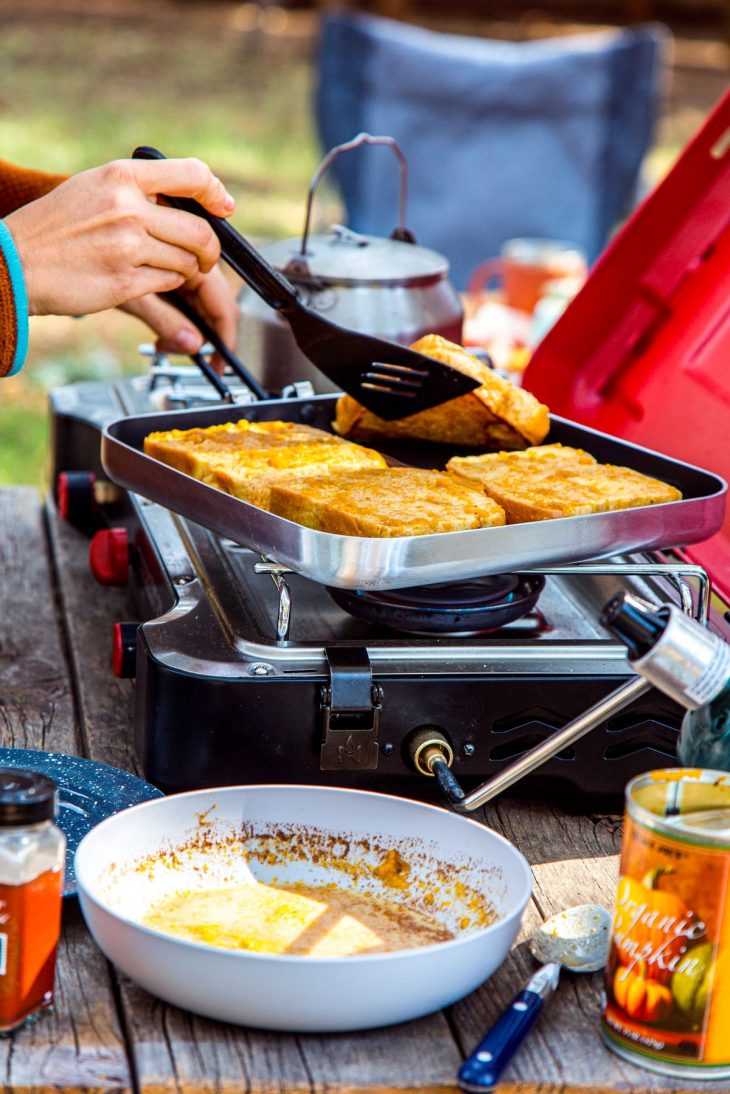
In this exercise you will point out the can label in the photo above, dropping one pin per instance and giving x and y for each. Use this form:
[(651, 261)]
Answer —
[(668, 974)]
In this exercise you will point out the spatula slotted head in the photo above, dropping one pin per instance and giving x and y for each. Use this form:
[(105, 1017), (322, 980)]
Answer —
[(391, 380), (388, 379)]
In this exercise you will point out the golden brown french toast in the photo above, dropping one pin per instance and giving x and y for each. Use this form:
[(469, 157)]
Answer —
[(396, 501), (193, 450), (551, 481), (253, 481), (495, 416), (535, 460), (243, 458)]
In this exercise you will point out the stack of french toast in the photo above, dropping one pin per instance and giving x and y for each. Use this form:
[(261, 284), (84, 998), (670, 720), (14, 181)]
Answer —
[(333, 483)]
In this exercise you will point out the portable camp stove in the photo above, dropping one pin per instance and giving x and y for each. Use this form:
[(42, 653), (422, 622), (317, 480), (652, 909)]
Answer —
[(247, 672)]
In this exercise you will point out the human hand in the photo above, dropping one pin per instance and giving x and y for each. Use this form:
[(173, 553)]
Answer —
[(102, 239), (211, 296)]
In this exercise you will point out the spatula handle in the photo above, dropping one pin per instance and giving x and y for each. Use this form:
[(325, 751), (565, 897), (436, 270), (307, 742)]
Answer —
[(213, 378), (178, 301), (274, 289)]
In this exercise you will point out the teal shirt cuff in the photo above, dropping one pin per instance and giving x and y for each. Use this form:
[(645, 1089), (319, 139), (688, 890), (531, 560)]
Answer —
[(17, 282)]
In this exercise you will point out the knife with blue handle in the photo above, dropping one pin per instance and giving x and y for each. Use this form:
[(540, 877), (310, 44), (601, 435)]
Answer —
[(482, 1070)]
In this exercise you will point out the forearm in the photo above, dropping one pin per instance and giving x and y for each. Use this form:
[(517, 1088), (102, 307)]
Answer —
[(13, 307), (19, 185)]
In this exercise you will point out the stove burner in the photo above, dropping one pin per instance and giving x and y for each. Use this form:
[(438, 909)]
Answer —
[(467, 607)]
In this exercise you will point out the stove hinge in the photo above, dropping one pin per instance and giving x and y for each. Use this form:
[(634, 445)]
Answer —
[(351, 706)]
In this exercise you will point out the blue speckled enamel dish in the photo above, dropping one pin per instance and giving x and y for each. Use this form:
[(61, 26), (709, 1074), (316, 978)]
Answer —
[(88, 792)]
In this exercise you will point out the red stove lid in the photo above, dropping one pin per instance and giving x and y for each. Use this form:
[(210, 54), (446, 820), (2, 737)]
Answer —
[(643, 351)]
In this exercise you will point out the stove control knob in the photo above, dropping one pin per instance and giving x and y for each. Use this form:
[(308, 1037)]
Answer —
[(109, 556), (75, 495), (124, 650), (80, 495)]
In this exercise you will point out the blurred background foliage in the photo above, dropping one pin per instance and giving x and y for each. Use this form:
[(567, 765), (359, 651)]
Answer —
[(84, 81)]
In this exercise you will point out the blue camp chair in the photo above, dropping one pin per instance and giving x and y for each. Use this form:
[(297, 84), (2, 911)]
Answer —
[(502, 139)]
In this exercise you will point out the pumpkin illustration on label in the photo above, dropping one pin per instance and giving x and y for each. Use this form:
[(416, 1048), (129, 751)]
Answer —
[(653, 926), (643, 999)]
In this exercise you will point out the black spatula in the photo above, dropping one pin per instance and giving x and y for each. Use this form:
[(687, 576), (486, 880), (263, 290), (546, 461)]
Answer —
[(391, 380)]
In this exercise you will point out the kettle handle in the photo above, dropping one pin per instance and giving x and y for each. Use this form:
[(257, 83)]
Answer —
[(400, 232)]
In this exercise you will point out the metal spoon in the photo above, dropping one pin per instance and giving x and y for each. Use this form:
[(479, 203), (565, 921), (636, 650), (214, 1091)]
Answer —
[(576, 939)]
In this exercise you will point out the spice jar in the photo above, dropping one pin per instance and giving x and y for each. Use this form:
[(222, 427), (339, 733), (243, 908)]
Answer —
[(32, 854)]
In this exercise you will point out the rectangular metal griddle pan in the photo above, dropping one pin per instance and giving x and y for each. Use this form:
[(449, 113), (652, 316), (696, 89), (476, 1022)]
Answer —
[(353, 562)]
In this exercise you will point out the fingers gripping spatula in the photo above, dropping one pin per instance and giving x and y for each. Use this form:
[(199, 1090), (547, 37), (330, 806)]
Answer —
[(391, 380)]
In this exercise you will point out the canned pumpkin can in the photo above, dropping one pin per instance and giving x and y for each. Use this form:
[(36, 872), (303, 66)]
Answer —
[(668, 974)]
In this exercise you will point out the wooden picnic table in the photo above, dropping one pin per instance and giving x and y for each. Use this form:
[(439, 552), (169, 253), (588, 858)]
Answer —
[(57, 692)]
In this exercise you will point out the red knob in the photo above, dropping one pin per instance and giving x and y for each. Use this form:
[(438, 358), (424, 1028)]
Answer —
[(75, 495), (109, 556), (124, 650)]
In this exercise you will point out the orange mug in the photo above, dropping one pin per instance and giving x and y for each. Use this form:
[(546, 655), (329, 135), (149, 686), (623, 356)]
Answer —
[(524, 268)]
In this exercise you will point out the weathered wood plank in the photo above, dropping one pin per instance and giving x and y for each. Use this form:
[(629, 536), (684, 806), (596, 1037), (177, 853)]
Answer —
[(80, 1044), (415, 1055), (36, 698), (106, 704), (175, 1050), (201, 1055)]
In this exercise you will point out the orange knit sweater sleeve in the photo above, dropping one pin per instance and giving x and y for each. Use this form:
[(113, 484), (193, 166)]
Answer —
[(18, 186)]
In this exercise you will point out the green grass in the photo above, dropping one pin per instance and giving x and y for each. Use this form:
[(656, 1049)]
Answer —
[(23, 433), (79, 88), (88, 90)]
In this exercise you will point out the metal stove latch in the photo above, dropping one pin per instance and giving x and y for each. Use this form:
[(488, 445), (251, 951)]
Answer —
[(351, 706)]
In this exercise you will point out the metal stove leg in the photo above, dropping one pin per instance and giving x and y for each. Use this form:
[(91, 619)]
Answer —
[(283, 615)]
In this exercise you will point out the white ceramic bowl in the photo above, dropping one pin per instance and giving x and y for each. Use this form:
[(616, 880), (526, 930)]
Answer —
[(459, 864)]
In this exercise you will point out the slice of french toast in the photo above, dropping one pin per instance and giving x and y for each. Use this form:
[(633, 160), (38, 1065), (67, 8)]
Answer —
[(397, 501), (244, 458), (551, 481), (495, 416)]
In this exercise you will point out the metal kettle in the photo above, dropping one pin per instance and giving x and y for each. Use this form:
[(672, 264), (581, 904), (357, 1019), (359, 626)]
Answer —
[(391, 288)]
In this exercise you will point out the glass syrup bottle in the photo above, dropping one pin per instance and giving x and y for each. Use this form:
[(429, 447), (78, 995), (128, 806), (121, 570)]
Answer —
[(687, 662), (32, 855)]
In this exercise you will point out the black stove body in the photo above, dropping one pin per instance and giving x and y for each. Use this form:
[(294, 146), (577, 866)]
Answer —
[(245, 673)]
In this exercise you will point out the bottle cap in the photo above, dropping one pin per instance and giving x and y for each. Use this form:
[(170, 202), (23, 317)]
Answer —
[(689, 663), (26, 797), (637, 623)]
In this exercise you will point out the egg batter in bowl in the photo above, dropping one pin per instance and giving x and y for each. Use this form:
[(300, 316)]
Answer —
[(312, 920)]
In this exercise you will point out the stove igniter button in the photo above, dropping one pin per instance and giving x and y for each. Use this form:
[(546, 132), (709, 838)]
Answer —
[(124, 650), (109, 556)]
